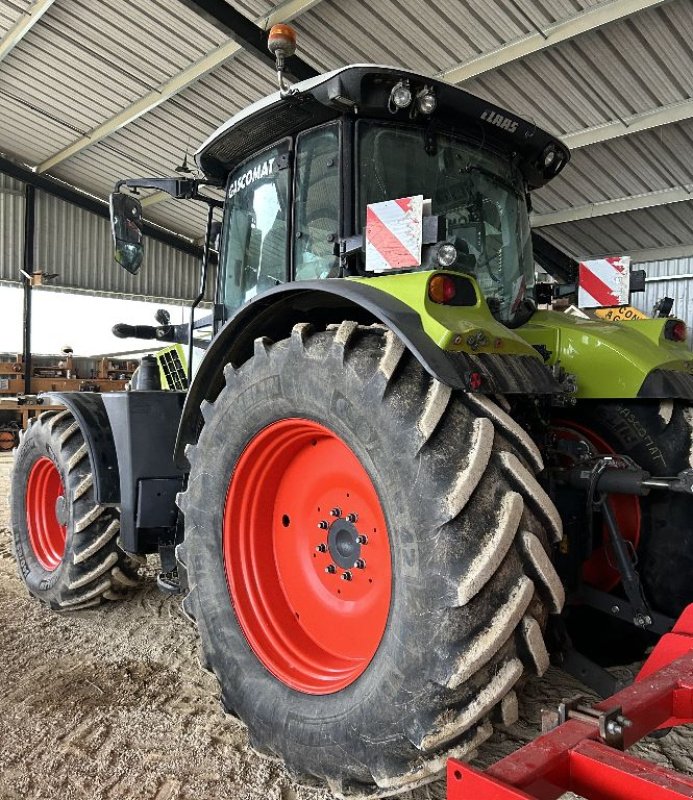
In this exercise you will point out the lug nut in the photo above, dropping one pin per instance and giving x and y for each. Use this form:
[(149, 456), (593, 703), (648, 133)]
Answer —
[(362, 539), (352, 517), (336, 512), (331, 569), (360, 563), (346, 576), (321, 548), (323, 524)]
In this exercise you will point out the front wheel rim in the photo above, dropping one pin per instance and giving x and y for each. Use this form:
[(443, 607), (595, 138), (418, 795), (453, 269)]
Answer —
[(307, 556), (44, 495)]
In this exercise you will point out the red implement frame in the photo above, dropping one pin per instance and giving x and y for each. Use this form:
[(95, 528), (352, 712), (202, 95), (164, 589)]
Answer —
[(573, 757)]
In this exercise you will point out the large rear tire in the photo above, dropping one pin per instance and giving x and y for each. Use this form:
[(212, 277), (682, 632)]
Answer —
[(340, 439), (65, 543)]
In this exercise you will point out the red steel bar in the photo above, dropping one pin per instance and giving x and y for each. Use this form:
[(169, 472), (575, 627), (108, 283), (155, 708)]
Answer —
[(573, 758)]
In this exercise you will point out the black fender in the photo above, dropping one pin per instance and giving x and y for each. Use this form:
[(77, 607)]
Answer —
[(89, 411), (322, 302)]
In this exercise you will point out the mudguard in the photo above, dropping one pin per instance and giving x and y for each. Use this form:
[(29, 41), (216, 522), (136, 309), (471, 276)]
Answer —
[(322, 302), (89, 411)]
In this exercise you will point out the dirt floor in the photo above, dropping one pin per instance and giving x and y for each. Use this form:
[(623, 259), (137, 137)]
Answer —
[(110, 704)]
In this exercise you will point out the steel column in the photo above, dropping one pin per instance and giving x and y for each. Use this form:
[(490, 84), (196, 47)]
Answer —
[(29, 242)]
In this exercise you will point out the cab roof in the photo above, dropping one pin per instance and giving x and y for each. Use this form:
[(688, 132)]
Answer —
[(363, 91)]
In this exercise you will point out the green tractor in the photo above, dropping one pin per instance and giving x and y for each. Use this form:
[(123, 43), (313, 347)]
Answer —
[(390, 467)]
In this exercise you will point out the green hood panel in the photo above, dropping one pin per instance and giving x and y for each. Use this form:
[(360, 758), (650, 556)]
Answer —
[(451, 327), (610, 359)]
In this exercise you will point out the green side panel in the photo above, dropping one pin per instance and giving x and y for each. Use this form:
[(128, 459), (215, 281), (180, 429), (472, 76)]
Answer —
[(453, 328), (172, 363), (608, 359)]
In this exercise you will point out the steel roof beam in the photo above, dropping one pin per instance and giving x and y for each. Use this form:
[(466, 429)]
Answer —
[(252, 36), (590, 20), (663, 197), (284, 12), (675, 112), (23, 25)]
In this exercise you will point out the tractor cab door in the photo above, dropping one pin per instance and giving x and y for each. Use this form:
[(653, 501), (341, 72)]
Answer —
[(282, 223), (317, 190)]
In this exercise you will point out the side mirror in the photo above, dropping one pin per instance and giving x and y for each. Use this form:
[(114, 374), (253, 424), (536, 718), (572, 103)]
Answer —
[(215, 235), (126, 227)]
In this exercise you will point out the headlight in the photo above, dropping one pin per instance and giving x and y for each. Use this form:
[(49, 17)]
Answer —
[(447, 254), (400, 96), (426, 100)]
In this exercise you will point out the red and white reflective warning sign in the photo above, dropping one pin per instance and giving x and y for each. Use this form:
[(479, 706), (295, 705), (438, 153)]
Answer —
[(393, 234), (604, 282)]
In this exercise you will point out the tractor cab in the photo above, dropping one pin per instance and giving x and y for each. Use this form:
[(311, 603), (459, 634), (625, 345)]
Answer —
[(302, 167)]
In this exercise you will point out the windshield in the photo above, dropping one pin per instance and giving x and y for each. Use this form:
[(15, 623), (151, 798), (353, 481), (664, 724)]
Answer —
[(479, 195)]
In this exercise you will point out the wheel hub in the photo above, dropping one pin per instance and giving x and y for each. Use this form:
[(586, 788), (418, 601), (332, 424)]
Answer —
[(343, 544), (61, 510)]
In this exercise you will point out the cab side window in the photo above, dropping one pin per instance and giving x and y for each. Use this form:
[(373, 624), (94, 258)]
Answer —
[(316, 211)]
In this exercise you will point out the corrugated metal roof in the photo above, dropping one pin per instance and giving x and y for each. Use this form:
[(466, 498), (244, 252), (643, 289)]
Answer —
[(10, 12), (660, 227), (633, 66), (83, 62), (644, 162)]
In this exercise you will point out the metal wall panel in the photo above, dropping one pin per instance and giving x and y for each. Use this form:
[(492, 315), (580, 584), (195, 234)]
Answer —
[(11, 227), (77, 245)]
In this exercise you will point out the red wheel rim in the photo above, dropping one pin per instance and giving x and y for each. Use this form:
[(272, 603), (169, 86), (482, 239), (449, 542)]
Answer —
[(598, 570), (44, 490), (300, 503)]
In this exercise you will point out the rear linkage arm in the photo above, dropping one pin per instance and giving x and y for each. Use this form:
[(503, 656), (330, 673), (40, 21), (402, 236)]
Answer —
[(619, 475)]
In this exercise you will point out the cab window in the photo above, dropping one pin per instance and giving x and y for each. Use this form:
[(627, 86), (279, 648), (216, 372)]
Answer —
[(316, 204), (254, 253)]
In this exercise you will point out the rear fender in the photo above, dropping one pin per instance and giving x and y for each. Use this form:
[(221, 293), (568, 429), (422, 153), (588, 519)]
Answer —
[(322, 302), (89, 411)]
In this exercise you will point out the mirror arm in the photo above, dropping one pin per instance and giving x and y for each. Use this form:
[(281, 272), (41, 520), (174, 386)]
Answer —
[(212, 201), (180, 188)]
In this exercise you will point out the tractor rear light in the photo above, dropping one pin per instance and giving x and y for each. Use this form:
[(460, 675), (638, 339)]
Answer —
[(675, 330), (441, 289), (475, 381)]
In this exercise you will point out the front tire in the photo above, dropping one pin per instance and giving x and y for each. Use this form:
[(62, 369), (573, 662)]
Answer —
[(382, 681), (65, 543)]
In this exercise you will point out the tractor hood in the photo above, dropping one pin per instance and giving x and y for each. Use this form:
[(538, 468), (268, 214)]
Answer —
[(613, 359), (365, 90)]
